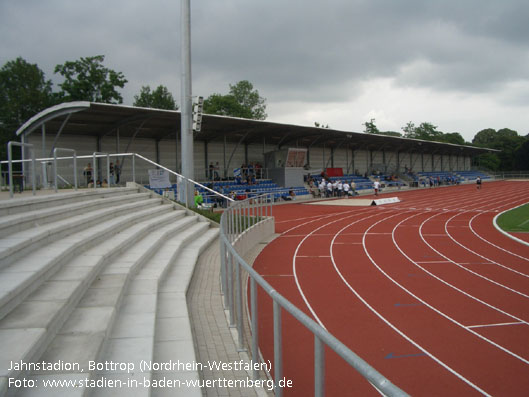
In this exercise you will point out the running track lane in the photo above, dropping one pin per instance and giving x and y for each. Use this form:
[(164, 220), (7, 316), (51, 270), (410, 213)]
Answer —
[(383, 282)]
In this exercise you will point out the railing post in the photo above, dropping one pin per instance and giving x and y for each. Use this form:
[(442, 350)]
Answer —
[(134, 168), (319, 367), (278, 350), (10, 165), (222, 265), (238, 301), (255, 325), (230, 289)]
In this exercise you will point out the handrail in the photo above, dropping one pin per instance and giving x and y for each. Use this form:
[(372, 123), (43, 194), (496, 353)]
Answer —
[(10, 144), (231, 263), (55, 166), (181, 176), (96, 155)]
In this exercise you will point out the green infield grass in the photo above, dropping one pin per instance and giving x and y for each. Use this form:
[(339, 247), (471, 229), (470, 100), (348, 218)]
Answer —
[(516, 220)]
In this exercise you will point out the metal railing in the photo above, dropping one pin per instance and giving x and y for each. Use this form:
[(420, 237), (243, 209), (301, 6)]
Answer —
[(234, 222), (184, 183), (10, 162), (55, 166)]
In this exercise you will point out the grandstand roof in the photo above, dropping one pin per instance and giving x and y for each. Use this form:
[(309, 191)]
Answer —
[(100, 119)]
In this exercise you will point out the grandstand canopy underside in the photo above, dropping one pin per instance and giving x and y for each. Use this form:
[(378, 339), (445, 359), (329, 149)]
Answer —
[(223, 138)]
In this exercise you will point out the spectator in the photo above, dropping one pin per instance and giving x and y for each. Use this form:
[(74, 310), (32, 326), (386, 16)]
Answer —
[(117, 170), (199, 200), (87, 172), (111, 173)]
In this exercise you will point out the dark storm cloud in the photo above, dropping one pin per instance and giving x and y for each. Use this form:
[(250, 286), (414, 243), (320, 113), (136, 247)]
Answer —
[(307, 51)]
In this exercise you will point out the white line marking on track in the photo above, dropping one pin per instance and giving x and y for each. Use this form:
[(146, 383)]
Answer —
[(391, 325), (495, 325)]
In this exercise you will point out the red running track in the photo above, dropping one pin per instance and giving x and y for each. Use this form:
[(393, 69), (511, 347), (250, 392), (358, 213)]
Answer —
[(427, 291)]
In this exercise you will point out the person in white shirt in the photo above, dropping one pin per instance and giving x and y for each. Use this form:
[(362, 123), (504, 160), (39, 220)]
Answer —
[(321, 186), (346, 189), (376, 186), (329, 189), (339, 186)]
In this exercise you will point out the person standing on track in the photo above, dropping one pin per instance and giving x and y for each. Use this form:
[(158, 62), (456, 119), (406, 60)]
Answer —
[(376, 186), (478, 183)]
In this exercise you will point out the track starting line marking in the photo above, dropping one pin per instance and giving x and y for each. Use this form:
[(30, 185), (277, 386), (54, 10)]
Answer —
[(494, 325)]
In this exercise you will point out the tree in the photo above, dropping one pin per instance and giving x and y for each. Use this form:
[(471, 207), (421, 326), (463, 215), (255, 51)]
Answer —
[(242, 101), (506, 140), (409, 129), (427, 132), (24, 91), (320, 125), (160, 98), (371, 128), (88, 80), (521, 160), (453, 137)]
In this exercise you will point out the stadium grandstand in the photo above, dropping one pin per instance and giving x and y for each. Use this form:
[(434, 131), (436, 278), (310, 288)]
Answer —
[(116, 272)]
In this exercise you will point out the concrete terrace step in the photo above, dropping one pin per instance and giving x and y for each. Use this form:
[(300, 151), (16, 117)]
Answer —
[(10, 224), (23, 277), (24, 204), (93, 321), (173, 339), (27, 331), (19, 244), (133, 337)]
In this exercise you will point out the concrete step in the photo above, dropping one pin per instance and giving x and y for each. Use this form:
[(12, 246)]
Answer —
[(45, 311), (132, 339), (23, 204), (10, 224), (24, 276), (92, 321), (19, 244), (173, 339)]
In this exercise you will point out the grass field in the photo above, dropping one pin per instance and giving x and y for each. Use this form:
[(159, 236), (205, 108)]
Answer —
[(516, 220)]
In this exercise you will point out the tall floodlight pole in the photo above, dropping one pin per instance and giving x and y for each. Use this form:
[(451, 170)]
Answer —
[(186, 131)]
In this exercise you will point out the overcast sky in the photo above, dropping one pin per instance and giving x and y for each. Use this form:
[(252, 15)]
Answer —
[(462, 65)]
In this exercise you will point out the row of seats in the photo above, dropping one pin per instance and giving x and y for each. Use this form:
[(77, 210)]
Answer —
[(240, 191)]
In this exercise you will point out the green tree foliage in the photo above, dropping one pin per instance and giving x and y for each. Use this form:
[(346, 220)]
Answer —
[(521, 160), (506, 140), (429, 132), (88, 80), (453, 137), (24, 91), (242, 101), (160, 98), (371, 128)]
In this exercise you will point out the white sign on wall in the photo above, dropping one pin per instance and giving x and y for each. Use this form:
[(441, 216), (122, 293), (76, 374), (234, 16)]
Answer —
[(159, 179)]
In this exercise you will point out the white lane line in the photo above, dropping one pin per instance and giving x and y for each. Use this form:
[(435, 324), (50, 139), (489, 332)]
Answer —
[(457, 289), (496, 246), (494, 325), (392, 326), (294, 268), (462, 267)]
